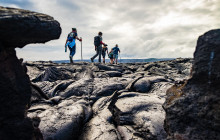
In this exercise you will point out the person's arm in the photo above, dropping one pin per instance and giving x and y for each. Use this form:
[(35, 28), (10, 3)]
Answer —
[(103, 43), (119, 51), (66, 41), (110, 51), (65, 45), (107, 50), (78, 38)]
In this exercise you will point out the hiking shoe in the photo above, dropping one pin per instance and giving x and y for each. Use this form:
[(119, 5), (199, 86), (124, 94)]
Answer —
[(71, 59)]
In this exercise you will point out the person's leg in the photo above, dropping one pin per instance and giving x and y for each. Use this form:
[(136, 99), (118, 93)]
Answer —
[(103, 57), (100, 53), (70, 56), (72, 53), (116, 59), (97, 53), (74, 50), (113, 58)]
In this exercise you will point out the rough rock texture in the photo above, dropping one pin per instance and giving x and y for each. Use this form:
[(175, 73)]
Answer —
[(63, 121), (192, 106), (83, 104), (206, 65), (18, 28), (15, 94)]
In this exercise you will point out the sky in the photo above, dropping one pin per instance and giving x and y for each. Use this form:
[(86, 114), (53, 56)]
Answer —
[(141, 28)]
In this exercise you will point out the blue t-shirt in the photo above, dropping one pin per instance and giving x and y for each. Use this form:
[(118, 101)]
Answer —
[(115, 50)]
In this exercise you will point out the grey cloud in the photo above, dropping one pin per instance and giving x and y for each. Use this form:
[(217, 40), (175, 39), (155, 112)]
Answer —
[(20, 3), (143, 34)]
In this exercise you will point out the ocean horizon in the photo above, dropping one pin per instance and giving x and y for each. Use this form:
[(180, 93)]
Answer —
[(120, 60)]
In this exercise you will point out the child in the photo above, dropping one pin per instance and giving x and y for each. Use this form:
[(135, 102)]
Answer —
[(110, 55), (104, 50)]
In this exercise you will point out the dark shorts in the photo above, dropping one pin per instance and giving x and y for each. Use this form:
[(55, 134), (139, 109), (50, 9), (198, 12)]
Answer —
[(103, 54)]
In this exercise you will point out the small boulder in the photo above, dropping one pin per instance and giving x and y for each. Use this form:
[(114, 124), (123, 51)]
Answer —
[(114, 73)]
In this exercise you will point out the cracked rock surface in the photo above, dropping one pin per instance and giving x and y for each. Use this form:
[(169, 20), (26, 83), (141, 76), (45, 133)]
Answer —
[(192, 106), (92, 101)]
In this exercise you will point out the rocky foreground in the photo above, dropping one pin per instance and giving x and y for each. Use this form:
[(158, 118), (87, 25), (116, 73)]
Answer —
[(83, 102)]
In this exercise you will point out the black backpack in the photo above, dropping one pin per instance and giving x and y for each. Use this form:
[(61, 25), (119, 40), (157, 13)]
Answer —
[(97, 41)]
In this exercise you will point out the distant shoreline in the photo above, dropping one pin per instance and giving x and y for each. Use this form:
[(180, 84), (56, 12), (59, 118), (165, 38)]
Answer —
[(121, 60)]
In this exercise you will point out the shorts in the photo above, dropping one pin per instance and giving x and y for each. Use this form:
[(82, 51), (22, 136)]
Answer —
[(115, 56), (103, 54)]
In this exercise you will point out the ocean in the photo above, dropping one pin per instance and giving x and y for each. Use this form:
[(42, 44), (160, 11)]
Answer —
[(121, 60)]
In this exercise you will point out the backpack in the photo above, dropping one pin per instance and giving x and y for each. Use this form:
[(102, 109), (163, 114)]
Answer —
[(97, 41), (110, 55)]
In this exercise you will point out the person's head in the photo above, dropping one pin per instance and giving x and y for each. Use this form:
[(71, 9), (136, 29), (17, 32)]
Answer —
[(100, 33), (116, 45), (74, 30)]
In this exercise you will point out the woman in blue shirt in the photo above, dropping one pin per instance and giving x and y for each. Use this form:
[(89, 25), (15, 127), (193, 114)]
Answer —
[(71, 43)]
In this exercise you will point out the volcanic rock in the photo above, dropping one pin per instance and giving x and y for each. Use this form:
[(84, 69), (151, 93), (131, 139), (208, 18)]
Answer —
[(18, 28), (206, 58), (192, 106), (81, 103)]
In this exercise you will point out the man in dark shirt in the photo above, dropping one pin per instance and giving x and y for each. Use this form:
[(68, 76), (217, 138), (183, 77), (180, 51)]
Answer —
[(98, 47), (71, 43)]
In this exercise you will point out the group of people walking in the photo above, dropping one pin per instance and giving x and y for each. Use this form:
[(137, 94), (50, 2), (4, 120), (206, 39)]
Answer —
[(100, 47)]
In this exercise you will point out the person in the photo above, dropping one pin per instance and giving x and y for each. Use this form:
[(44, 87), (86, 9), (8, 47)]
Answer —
[(110, 55), (98, 46), (104, 50), (115, 53), (71, 43)]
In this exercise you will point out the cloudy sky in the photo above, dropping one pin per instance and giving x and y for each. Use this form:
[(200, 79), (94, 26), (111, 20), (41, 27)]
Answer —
[(142, 28)]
